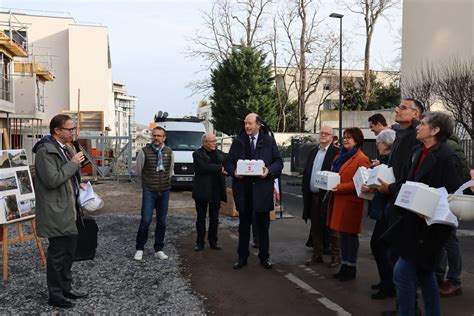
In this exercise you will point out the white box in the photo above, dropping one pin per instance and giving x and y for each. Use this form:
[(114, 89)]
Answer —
[(360, 178), (250, 167), (326, 180), (380, 172), (419, 198)]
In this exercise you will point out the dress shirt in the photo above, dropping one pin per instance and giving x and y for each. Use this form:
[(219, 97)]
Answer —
[(317, 165)]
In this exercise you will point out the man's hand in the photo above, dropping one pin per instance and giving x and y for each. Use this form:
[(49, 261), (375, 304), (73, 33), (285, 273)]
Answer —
[(383, 187), (237, 176), (83, 186), (334, 189), (78, 158), (224, 172), (265, 172), (375, 162)]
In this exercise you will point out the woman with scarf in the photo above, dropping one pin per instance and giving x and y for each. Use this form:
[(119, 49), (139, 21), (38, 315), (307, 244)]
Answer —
[(345, 208)]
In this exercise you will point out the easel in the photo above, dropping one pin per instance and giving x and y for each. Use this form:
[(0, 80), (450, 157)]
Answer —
[(4, 241), (5, 227)]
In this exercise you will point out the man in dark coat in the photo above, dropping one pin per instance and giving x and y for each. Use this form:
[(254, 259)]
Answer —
[(57, 186), (253, 195), (320, 158), (208, 189)]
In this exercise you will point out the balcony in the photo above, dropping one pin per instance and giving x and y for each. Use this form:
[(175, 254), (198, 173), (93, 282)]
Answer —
[(11, 47), (42, 73)]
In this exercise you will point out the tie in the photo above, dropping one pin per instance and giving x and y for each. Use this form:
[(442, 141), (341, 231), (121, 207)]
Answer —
[(252, 145), (66, 152)]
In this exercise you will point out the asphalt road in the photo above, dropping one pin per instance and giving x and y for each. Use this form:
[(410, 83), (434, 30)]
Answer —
[(292, 288)]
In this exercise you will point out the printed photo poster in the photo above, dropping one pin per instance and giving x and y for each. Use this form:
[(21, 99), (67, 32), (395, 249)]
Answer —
[(17, 196)]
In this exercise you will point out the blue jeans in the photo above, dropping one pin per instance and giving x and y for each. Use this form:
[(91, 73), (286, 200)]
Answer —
[(153, 200), (406, 278), (452, 259), (349, 249)]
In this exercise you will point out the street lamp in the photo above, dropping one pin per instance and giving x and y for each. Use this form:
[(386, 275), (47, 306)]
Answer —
[(339, 16)]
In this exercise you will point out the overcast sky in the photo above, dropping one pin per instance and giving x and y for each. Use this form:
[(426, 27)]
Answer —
[(159, 71)]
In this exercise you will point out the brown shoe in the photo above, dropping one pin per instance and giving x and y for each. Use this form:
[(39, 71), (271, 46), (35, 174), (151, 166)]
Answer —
[(448, 289), (314, 260)]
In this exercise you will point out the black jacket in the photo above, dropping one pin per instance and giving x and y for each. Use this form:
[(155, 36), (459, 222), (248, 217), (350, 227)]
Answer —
[(399, 160), (410, 236), (259, 190), (205, 172), (331, 153)]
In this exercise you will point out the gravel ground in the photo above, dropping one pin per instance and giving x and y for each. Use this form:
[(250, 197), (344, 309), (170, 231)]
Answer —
[(115, 282)]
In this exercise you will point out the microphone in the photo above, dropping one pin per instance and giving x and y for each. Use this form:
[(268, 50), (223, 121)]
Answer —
[(78, 149)]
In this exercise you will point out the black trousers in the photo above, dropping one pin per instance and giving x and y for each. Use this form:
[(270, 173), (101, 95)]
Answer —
[(262, 225), (59, 261), (201, 209), (382, 256)]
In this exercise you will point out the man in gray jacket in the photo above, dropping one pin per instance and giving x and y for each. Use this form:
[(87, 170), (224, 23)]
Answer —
[(57, 186)]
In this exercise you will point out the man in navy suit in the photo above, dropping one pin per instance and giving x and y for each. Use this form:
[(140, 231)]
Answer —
[(253, 195)]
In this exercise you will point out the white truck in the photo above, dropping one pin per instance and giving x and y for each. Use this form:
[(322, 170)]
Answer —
[(183, 136)]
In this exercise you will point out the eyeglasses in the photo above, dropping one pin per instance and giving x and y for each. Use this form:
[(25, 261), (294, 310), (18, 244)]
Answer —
[(211, 141), (71, 130), (325, 134), (347, 137), (404, 108)]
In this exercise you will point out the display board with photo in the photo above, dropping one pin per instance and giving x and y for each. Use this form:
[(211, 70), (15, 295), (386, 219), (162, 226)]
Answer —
[(17, 196)]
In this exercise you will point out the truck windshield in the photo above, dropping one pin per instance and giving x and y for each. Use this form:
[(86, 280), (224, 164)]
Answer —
[(183, 140)]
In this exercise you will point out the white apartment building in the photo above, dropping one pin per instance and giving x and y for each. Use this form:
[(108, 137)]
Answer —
[(326, 95), (79, 57), (124, 111)]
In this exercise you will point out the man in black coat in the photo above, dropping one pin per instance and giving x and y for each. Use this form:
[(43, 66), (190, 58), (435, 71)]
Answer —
[(253, 195), (319, 159), (208, 189)]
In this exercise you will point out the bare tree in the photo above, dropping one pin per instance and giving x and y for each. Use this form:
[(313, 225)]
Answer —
[(371, 10), (310, 52), (421, 84), (455, 89), (227, 25)]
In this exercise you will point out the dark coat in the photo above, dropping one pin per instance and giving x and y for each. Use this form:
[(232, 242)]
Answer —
[(205, 172), (410, 236), (261, 189), (55, 198), (331, 153), (399, 160)]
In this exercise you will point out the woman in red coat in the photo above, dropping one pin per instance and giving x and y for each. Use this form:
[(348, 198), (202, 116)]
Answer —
[(345, 215)]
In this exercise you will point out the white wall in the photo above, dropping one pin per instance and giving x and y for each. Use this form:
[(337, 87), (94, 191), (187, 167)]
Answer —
[(89, 71)]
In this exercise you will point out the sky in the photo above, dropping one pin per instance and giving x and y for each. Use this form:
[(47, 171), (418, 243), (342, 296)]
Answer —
[(159, 73)]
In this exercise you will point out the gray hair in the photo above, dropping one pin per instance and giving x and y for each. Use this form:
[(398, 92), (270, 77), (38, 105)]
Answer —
[(203, 138), (387, 137), (440, 120)]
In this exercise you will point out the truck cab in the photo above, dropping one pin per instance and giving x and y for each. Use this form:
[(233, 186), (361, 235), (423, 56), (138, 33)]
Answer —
[(183, 136)]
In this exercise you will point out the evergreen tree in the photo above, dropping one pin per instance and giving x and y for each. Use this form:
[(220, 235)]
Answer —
[(242, 84)]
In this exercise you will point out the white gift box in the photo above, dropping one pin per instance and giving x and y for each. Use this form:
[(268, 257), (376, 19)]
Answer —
[(250, 167), (360, 178), (380, 172), (419, 198), (326, 180)]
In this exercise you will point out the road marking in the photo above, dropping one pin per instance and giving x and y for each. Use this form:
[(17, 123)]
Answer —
[(294, 194), (464, 233), (323, 300), (305, 286)]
